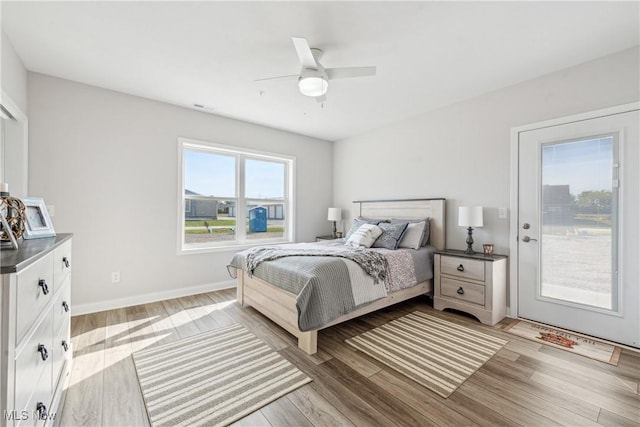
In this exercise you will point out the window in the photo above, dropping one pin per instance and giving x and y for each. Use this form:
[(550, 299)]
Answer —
[(233, 197)]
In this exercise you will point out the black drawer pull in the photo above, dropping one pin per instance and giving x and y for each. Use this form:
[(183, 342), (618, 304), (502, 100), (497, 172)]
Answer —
[(460, 267), (43, 284), (41, 409), (66, 262), (460, 291), (65, 306), (43, 351), (65, 345)]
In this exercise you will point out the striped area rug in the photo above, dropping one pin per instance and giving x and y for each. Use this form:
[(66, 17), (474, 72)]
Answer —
[(438, 354), (213, 378)]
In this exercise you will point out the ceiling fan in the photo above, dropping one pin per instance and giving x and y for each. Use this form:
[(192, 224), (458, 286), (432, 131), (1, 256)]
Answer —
[(313, 79)]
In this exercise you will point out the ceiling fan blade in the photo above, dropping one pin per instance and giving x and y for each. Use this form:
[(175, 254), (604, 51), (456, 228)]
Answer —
[(304, 53), (275, 78), (348, 72)]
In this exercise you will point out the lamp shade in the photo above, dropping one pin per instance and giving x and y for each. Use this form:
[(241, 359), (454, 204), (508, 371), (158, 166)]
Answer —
[(470, 216), (335, 214)]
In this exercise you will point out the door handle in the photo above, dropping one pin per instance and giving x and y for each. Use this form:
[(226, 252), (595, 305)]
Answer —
[(528, 239)]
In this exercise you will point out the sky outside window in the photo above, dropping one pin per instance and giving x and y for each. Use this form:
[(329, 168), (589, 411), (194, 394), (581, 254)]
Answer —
[(210, 174), (264, 180), (584, 165)]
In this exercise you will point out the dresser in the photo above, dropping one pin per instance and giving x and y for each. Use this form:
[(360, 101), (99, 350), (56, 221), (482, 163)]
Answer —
[(36, 356), (475, 284)]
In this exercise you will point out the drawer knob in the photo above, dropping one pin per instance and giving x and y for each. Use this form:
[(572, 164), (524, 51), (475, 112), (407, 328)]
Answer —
[(66, 262), (43, 284), (43, 351), (65, 306), (65, 345), (41, 409), (460, 291), (460, 267)]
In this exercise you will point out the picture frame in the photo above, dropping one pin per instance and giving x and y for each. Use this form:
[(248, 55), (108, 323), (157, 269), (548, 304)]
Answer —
[(38, 224), (8, 231)]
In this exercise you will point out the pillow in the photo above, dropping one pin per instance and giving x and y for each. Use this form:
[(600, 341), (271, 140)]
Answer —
[(413, 235), (425, 237), (364, 236), (427, 232), (391, 235), (358, 222)]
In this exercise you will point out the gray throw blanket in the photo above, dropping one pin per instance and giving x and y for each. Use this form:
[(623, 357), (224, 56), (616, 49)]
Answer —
[(373, 263)]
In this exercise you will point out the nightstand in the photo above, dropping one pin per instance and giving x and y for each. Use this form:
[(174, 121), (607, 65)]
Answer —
[(320, 238), (475, 284)]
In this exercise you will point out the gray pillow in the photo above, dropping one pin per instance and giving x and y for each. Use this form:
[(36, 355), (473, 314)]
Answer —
[(391, 235), (425, 236), (358, 222)]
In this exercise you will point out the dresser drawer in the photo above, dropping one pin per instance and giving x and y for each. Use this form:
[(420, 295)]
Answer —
[(31, 296), (60, 350), (61, 262), (464, 291), (41, 396), (30, 366), (62, 306), (462, 267)]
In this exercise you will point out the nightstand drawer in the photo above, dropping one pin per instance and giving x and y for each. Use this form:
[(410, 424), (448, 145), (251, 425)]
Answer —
[(462, 267), (465, 291)]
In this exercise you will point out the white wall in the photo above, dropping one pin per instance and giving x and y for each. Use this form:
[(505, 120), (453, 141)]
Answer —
[(462, 152), (108, 162)]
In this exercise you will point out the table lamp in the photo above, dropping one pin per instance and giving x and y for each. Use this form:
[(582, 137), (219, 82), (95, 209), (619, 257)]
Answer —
[(335, 214), (470, 217)]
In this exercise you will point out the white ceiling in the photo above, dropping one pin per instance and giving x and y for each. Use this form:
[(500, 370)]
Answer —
[(428, 54)]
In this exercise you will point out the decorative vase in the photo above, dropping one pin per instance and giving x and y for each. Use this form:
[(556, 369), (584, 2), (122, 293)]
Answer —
[(14, 211)]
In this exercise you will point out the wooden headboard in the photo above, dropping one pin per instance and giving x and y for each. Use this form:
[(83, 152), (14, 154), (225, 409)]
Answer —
[(408, 209)]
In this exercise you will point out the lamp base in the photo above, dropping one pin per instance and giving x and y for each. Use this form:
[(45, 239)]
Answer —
[(334, 230), (469, 250)]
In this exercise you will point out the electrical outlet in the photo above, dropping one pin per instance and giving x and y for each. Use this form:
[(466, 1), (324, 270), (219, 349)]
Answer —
[(115, 277), (502, 213)]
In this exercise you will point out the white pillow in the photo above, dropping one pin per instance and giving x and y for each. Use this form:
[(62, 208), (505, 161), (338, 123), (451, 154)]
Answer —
[(412, 237), (364, 236)]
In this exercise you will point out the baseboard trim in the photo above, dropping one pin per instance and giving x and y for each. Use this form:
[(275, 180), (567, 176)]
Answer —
[(79, 309)]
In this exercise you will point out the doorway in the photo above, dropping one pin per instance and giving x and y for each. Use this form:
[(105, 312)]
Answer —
[(575, 226)]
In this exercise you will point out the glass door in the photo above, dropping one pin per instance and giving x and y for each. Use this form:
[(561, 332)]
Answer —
[(578, 236), (578, 228)]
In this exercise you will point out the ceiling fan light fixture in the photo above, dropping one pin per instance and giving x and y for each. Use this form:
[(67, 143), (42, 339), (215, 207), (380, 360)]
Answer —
[(313, 86)]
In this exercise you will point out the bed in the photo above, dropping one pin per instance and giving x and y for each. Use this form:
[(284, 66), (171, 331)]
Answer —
[(279, 305)]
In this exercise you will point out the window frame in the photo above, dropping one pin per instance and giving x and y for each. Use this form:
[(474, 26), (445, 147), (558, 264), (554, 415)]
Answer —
[(241, 154)]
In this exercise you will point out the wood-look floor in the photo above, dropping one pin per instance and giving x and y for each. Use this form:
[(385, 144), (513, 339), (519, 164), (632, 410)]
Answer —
[(525, 383)]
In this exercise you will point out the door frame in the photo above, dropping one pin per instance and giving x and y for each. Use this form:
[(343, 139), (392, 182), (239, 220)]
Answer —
[(514, 185)]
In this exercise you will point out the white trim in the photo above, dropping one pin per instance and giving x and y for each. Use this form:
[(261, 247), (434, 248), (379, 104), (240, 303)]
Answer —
[(513, 224), (79, 309), (609, 111), (21, 188)]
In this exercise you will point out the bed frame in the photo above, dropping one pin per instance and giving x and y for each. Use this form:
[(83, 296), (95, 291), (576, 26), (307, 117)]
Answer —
[(280, 306)]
